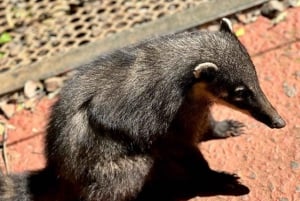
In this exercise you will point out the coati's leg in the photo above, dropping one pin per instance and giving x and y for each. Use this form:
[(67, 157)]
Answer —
[(119, 180), (181, 172), (223, 129)]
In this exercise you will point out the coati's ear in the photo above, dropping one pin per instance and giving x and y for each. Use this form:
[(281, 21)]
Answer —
[(226, 25), (205, 71)]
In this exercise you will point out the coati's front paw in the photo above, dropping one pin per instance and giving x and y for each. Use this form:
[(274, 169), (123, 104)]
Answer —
[(228, 128)]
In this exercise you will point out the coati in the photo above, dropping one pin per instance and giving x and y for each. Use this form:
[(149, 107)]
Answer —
[(130, 114)]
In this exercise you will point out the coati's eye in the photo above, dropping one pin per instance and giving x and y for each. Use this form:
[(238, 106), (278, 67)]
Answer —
[(241, 93)]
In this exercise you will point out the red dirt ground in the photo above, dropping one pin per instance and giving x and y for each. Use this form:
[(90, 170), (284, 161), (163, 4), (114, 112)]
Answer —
[(268, 161)]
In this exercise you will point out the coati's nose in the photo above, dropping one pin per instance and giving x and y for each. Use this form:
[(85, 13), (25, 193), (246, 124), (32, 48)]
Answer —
[(278, 122)]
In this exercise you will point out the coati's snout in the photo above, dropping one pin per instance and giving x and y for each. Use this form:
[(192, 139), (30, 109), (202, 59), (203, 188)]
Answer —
[(262, 110), (245, 96), (254, 102), (233, 81)]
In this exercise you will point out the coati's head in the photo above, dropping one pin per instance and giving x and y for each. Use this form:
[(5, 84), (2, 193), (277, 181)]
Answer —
[(231, 79)]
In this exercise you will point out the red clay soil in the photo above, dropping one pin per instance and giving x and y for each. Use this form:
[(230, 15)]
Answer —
[(267, 161)]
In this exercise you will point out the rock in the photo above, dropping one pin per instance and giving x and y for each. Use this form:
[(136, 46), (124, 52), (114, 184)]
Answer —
[(33, 88), (54, 83), (297, 75), (290, 91), (248, 16), (271, 186), (272, 8), (8, 109), (294, 165), (293, 3), (2, 128), (213, 27), (252, 175)]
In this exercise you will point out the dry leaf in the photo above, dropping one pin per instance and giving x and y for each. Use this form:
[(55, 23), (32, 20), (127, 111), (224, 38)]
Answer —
[(282, 16), (240, 32), (2, 128), (8, 109)]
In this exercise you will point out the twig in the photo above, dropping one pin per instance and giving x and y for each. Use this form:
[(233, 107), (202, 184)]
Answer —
[(4, 153)]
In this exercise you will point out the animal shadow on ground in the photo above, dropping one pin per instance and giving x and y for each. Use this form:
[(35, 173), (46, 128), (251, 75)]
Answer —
[(178, 178)]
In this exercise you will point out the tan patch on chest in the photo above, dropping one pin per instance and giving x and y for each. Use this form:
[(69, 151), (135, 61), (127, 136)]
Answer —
[(195, 112)]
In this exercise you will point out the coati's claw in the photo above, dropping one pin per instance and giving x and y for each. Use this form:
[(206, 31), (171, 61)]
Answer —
[(228, 128), (235, 128)]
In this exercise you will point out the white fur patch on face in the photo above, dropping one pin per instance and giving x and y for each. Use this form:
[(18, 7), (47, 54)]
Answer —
[(239, 88)]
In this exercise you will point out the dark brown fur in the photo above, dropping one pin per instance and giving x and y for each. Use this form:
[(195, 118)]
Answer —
[(127, 124)]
